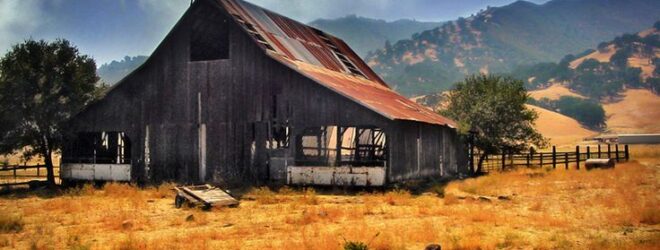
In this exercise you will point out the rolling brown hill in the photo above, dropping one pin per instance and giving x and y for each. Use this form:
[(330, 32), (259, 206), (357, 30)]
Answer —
[(638, 111), (560, 129), (554, 92)]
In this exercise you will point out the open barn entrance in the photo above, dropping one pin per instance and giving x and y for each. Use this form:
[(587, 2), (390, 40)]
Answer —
[(340, 155), (97, 156)]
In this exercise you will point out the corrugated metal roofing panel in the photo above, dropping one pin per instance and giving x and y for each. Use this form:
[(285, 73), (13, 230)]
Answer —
[(316, 55), (373, 95)]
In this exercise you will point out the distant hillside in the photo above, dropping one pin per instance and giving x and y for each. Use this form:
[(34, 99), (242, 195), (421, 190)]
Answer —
[(553, 92), (114, 71), (635, 112), (628, 61), (560, 129), (500, 38), (366, 34)]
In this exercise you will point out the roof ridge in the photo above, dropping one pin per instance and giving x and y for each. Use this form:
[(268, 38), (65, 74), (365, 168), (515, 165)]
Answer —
[(327, 60)]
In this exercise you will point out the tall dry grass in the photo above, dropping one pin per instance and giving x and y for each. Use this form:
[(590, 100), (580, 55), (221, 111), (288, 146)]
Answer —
[(524, 209), (10, 222)]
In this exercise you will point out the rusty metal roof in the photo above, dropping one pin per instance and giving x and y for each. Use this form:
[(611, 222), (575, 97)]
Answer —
[(327, 60)]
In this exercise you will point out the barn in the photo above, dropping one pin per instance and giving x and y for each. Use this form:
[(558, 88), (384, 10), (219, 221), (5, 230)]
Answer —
[(238, 95)]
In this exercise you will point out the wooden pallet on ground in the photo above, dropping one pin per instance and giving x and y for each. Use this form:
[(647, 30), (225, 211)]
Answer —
[(204, 195)]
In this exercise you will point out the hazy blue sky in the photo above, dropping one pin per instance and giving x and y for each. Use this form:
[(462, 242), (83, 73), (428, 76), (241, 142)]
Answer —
[(111, 29)]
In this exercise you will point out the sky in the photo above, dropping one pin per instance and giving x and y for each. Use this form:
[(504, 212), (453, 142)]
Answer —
[(111, 29)]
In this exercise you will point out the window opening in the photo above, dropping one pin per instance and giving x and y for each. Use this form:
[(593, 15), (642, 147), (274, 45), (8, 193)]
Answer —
[(342, 146)]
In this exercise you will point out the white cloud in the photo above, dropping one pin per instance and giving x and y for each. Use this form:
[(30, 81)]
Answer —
[(18, 18), (309, 10)]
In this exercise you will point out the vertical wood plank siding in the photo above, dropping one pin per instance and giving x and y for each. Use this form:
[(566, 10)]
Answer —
[(239, 96)]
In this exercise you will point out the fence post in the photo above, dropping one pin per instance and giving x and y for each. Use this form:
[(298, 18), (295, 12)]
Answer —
[(15, 167), (566, 160), (503, 160), (599, 151), (37, 170), (541, 160), (588, 153), (577, 156), (616, 148), (529, 155), (626, 153), (609, 151), (554, 157)]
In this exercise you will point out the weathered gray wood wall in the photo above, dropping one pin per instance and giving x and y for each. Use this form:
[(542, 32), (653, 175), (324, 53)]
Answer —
[(238, 97)]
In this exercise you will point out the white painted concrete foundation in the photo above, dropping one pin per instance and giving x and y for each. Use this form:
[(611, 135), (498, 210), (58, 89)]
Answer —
[(95, 172), (336, 176)]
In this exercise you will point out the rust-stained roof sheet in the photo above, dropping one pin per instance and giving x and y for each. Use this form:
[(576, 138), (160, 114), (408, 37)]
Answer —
[(372, 95), (328, 61)]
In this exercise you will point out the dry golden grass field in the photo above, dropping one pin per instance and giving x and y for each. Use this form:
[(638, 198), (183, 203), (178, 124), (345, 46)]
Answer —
[(554, 92), (558, 128), (523, 209), (603, 56), (637, 112)]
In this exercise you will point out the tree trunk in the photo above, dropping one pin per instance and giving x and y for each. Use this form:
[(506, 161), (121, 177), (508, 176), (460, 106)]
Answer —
[(49, 168), (481, 163), (47, 153)]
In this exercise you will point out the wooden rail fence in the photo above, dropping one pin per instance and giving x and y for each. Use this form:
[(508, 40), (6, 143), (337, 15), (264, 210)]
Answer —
[(22, 174), (554, 158)]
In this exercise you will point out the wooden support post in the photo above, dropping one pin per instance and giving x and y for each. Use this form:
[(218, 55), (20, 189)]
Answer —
[(588, 153), (609, 151), (566, 160), (15, 173), (627, 155), (471, 159), (340, 134), (541, 160), (616, 148), (554, 157), (577, 156), (37, 170), (598, 151)]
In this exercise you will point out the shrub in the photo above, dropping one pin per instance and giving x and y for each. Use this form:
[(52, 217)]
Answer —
[(263, 195), (650, 216), (351, 245), (398, 197), (309, 197), (10, 222)]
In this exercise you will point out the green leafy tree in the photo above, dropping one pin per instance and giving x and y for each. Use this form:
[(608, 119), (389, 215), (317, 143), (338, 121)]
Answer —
[(42, 85), (495, 107), (588, 113)]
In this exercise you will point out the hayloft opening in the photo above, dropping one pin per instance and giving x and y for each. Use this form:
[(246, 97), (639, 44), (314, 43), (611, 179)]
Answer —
[(361, 146), (209, 39)]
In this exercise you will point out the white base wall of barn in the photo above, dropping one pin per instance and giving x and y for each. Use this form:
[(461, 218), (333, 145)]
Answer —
[(336, 176), (95, 172)]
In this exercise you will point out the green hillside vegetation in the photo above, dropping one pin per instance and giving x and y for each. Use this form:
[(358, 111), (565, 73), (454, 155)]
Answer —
[(113, 72), (499, 39), (597, 79), (587, 112), (366, 34)]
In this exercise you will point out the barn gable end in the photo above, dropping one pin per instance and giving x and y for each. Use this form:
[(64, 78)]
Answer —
[(214, 104)]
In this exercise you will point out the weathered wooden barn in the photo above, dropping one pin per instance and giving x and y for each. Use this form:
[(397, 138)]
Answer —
[(236, 94)]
